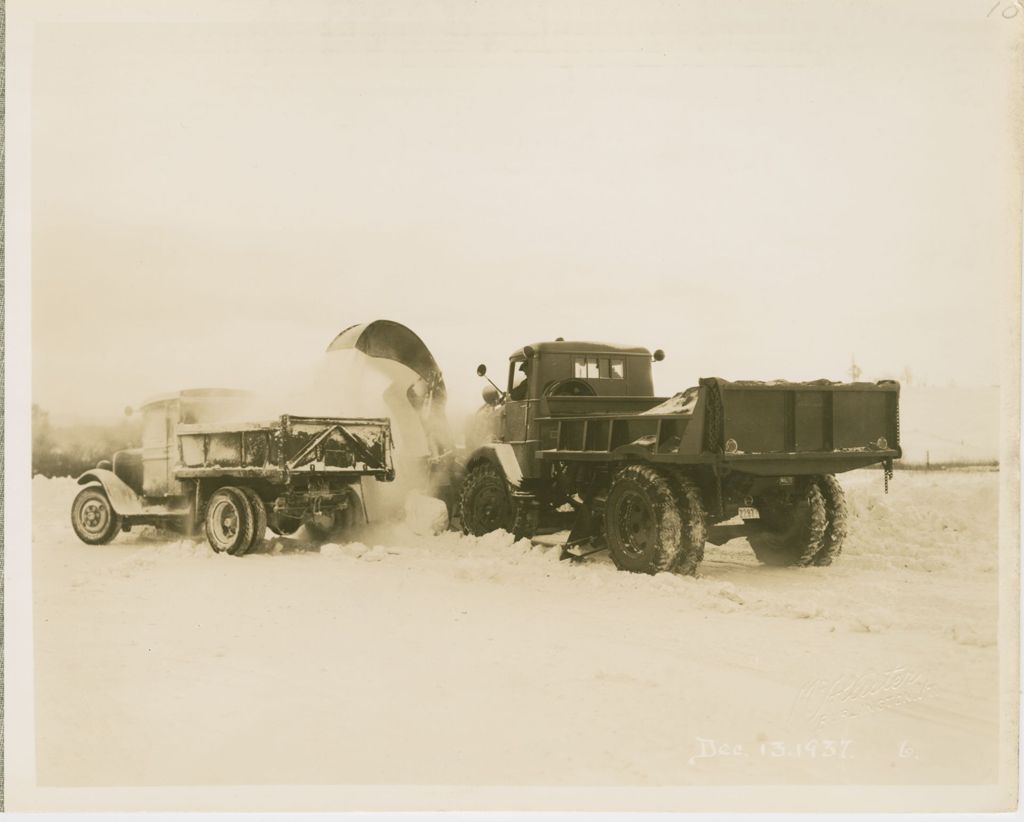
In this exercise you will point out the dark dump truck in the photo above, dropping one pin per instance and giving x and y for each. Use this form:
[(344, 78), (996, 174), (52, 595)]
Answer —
[(199, 465), (655, 478)]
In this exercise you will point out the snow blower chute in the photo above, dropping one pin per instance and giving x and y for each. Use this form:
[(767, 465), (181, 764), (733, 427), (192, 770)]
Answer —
[(389, 340)]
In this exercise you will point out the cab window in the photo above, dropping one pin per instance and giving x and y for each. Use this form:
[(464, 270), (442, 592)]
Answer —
[(598, 368), (585, 368), (516, 378)]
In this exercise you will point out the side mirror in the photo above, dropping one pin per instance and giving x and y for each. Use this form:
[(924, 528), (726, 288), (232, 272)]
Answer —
[(128, 410), (658, 355), (481, 370), (491, 395)]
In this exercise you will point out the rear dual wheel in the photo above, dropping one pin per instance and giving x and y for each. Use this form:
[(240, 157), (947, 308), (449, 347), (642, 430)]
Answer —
[(836, 530), (654, 521), (236, 520), (800, 526), (337, 523), (283, 525)]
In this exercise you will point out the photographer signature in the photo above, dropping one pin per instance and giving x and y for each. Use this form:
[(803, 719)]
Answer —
[(851, 695)]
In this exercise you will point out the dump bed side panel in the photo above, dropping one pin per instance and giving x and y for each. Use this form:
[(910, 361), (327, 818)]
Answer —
[(761, 428), (748, 419), (290, 445)]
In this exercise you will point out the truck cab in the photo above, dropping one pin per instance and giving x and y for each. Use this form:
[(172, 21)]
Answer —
[(149, 471), (580, 369), (562, 377)]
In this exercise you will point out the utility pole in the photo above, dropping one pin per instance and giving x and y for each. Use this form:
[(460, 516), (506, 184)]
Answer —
[(855, 371)]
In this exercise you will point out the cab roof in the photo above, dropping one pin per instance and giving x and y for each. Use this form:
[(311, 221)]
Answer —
[(196, 393), (581, 347)]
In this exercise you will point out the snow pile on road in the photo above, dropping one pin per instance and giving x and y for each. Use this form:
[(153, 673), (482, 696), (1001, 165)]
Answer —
[(425, 515)]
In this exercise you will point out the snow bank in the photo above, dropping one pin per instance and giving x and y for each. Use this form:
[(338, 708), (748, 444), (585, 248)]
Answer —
[(455, 659), (949, 424)]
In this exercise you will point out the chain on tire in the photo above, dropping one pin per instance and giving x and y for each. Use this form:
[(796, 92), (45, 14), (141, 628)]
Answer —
[(643, 520), (694, 525), (818, 525), (521, 518), (785, 537), (838, 514)]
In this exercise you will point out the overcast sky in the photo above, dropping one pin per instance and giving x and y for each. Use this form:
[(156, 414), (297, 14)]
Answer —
[(761, 189)]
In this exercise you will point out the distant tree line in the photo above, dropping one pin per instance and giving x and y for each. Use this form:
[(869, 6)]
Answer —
[(68, 450)]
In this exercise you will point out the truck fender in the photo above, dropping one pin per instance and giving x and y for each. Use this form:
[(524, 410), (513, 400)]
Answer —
[(503, 457), (642, 448), (122, 498)]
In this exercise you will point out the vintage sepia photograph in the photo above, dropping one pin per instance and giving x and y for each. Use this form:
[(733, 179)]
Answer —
[(462, 405)]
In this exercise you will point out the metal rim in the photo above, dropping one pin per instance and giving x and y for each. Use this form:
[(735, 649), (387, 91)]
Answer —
[(491, 507), (94, 515), (779, 514), (225, 520), (634, 524)]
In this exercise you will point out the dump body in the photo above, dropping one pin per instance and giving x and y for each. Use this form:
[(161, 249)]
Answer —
[(286, 448), (756, 427)]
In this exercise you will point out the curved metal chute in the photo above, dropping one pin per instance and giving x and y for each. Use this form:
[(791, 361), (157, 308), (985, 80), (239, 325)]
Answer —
[(389, 340), (392, 341)]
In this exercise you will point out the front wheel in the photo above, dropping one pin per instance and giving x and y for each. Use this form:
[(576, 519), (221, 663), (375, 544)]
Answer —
[(93, 517), (487, 504), (485, 501)]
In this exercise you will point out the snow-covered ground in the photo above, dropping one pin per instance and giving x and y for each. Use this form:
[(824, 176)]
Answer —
[(452, 660)]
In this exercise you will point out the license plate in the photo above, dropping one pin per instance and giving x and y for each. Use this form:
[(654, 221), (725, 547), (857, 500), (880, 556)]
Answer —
[(749, 513)]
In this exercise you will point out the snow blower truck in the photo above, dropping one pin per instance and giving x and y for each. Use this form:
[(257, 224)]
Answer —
[(652, 479), (577, 433), (197, 465)]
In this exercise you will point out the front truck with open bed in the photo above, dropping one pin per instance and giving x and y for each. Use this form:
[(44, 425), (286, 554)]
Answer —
[(653, 479), (199, 467)]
